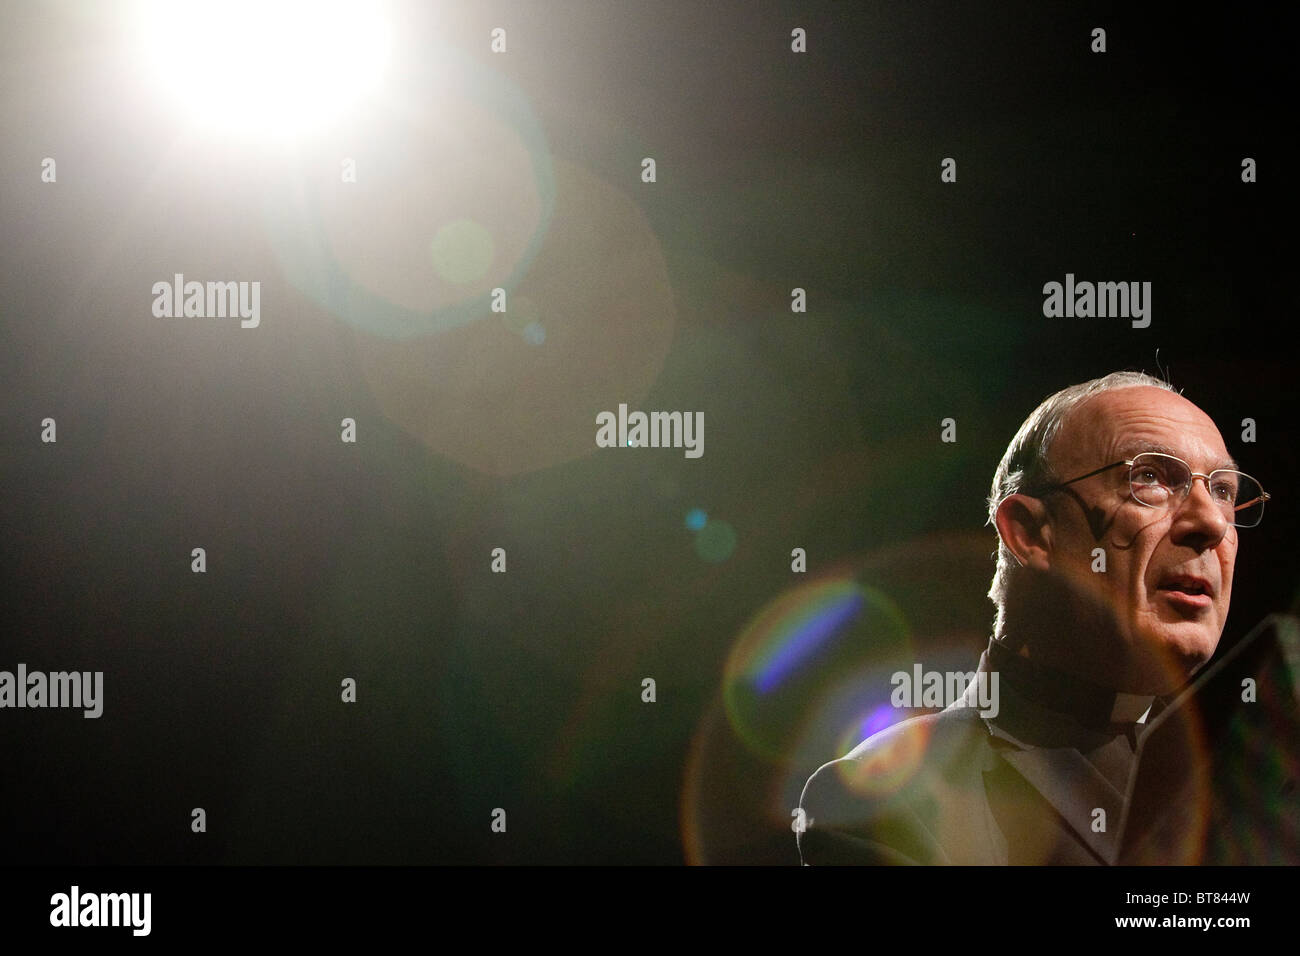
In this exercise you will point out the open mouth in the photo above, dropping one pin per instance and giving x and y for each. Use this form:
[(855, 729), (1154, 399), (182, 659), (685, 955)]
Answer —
[(1184, 588), (1193, 592)]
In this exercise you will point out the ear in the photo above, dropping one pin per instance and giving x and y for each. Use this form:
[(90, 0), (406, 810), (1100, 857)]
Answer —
[(1025, 527)]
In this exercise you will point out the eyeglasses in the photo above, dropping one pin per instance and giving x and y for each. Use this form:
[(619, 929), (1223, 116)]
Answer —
[(1163, 481)]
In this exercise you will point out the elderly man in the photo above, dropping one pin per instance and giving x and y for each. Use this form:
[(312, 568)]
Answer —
[(1118, 509)]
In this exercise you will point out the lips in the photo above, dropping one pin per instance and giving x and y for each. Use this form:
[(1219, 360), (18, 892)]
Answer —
[(1186, 584)]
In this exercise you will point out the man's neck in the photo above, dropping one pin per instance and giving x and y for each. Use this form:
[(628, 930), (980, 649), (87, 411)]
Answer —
[(1090, 704)]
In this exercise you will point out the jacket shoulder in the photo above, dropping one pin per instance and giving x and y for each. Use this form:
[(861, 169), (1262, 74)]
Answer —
[(878, 803)]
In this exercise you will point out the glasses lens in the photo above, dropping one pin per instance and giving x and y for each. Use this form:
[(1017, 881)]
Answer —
[(1240, 496), (1158, 480)]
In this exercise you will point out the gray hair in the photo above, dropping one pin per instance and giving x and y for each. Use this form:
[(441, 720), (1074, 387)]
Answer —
[(1025, 463)]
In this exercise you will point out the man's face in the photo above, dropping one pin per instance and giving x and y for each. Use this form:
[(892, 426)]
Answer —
[(1151, 554)]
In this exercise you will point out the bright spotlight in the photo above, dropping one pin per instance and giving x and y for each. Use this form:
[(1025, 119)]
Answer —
[(269, 68)]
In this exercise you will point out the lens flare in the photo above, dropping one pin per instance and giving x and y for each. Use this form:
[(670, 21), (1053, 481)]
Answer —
[(399, 253), (799, 647)]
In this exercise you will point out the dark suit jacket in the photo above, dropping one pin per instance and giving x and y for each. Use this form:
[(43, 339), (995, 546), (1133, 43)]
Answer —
[(948, 788), (1042, 781)]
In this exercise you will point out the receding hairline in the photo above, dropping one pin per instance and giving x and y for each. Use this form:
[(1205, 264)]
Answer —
[(1128, 447)]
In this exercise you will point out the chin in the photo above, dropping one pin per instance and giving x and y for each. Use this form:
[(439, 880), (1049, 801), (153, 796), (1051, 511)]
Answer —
[(1179, 654)]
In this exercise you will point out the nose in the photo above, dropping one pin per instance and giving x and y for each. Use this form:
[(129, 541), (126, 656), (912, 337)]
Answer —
[(1199, 522)]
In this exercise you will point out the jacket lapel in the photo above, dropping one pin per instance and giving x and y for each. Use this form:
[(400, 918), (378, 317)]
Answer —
[(1075, 789)]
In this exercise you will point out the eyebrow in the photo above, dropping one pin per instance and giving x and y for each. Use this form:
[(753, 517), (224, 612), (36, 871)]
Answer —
[(1129, 448)]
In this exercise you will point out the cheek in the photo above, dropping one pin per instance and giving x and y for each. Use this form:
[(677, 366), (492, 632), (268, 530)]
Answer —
[(1133, 564), (1228, 560), (1226, 577)]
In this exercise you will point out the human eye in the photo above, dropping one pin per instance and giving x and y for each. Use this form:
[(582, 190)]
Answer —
[(1147, 474), (1224, 489)]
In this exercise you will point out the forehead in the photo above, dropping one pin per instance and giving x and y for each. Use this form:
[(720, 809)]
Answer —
[(1121, 422)]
